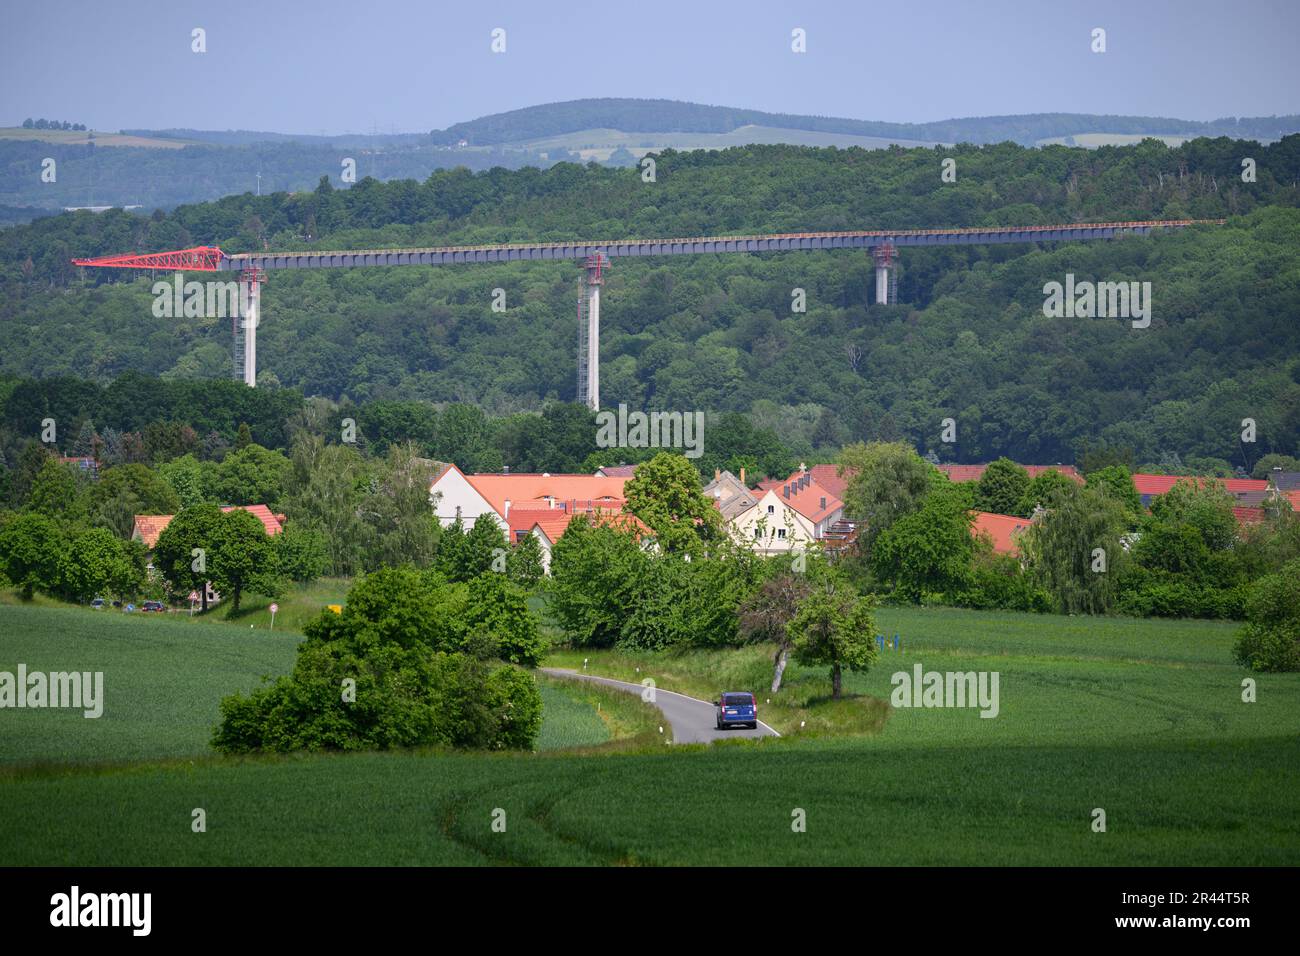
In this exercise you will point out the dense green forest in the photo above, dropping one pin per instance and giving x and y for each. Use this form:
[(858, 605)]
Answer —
[(637, 115), (967, 341)]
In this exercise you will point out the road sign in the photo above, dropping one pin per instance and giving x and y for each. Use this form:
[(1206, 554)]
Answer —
[(194, 595), (274, 608)]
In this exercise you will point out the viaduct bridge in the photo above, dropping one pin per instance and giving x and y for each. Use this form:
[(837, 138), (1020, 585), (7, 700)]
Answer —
[(251, 268)]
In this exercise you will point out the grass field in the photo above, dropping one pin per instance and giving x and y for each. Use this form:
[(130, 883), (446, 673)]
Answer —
[(598, 144), (1143, 719), (68, 137)]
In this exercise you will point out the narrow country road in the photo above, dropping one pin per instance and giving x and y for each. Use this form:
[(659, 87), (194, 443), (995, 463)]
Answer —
[(692, 721)]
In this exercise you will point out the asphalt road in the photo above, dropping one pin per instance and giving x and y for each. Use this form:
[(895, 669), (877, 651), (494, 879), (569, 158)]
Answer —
[(691, 721)]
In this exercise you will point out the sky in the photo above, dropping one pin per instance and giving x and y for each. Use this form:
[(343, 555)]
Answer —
[(336, 66)]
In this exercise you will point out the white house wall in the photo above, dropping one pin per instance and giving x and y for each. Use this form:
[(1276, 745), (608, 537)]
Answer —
[(457, 493)]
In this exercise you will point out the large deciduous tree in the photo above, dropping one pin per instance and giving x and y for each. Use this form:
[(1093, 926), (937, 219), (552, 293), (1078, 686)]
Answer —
[(834, 626), (666, 494)]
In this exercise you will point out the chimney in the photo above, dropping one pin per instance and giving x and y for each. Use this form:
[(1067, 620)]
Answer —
[(717, 474), (742, 477), (802, 466), (507, 514), (505, 469)]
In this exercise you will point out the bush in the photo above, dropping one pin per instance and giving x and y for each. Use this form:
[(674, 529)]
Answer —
[(1270, 638), (389, 672), (998, 582)]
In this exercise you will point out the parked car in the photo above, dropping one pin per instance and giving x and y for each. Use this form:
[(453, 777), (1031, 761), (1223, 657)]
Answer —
[(98, 604), (153, 606), (736, 708)]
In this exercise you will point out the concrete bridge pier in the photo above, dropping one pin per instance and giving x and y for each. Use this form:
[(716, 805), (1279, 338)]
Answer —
[(884, 258), (250, 300)]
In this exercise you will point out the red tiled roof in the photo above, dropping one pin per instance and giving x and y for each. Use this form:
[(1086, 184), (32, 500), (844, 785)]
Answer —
[(1248, 515), (554, 522), (806, 499), (619, 471), (1002, 530), (149, 527), (829, 478), (270, 522), (523, 489), (1160, 484)]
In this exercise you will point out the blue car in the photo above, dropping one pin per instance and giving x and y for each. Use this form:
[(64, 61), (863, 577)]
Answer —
[(736, 709)]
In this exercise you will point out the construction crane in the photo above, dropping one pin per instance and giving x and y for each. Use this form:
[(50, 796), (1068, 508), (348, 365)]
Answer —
[(882, 245)]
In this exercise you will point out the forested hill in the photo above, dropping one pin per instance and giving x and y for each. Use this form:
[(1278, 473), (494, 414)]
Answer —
[(968, 340), (647, 116)]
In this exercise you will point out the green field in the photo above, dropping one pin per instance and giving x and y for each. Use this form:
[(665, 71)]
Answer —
[(598, 144), (68, 137), (1141, 718)]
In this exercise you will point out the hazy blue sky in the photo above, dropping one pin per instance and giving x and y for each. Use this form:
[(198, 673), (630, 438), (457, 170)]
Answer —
[(414, 65)]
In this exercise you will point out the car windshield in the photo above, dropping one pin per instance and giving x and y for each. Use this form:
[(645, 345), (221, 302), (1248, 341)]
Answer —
[(737, 700)]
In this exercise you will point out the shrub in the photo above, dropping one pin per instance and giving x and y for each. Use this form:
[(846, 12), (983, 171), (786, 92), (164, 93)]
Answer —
[(1270, 638)]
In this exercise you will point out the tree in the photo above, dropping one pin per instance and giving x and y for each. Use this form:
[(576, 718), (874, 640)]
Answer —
[(836, 627), (300, 552), (887, 480), (401, 526), (1270, 638), (185, 549), (1042, 491), (1001, 487), (1075, 551), (484, 549), (97, 562), (595, 571), (927, 551), (1117, 482), (498, 621), (125, 491), (325, 493), (1264, 467), (251, 475), (666, 494), (57, 492), (524, 563), (87, 441), (242, 557), (185, 476), (390, 643), (766, 614), (450, 559), (31, 553)]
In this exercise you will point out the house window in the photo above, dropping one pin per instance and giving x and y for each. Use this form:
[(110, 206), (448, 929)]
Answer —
[(771, 509), (780, 532), (758, 533)]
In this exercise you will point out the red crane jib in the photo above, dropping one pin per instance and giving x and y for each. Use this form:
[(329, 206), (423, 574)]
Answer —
[(198, 259)]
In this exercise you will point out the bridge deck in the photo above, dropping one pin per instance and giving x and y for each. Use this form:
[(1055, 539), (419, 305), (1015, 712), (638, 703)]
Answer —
[(515, 251)]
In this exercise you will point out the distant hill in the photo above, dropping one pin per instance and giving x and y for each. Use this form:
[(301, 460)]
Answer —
[(659, 116), (163, 168)]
